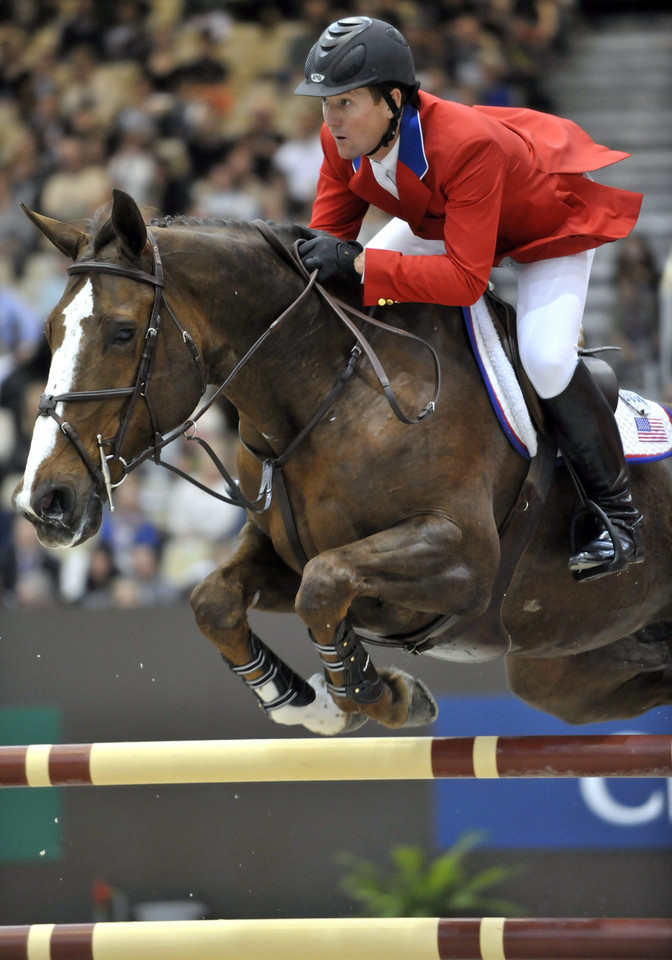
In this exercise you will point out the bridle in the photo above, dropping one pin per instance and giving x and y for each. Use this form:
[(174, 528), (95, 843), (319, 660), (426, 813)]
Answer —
[(100, 472), (271, 467)]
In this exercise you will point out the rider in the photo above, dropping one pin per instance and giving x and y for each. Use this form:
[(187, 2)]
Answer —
[(469, 188)]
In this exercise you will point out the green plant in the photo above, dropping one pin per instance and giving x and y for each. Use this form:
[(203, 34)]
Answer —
[(418, 887)]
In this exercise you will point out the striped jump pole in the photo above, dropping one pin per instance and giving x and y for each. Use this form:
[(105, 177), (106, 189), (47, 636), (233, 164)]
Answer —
[(340, 939), (372, 758)]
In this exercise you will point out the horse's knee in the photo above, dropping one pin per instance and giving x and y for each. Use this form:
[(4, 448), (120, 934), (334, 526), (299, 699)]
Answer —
[(201, 599), (326, 582), (217, 603)]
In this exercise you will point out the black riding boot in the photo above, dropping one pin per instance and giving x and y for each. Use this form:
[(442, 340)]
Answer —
[(606, 534)]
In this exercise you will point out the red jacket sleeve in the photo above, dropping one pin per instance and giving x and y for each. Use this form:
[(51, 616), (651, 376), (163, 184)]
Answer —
[(472, 184), (336, 209)]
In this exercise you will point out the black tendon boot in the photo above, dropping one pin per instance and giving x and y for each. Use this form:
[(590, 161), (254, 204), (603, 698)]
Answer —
[(606, 533)]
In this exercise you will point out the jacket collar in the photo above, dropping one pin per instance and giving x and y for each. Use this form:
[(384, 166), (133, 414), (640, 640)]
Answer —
[(411, 144)]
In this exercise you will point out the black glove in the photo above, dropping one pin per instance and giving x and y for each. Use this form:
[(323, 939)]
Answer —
[(330, 256)]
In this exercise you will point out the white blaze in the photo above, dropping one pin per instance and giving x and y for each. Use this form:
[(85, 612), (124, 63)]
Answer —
[(61, 377)]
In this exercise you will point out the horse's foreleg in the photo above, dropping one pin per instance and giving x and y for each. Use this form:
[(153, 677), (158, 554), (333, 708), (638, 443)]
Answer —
[(254, 576), (420, 565)]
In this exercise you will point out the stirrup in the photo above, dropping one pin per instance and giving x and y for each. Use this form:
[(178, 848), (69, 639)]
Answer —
[(618, 562)]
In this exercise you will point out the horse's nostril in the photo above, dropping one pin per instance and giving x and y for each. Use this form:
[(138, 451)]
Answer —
[(55, 504)]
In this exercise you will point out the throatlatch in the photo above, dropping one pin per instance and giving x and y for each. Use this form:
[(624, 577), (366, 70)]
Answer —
[(361, 682), (289, 687)]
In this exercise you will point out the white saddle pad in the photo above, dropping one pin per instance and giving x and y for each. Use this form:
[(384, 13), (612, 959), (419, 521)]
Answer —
[(645, 426)]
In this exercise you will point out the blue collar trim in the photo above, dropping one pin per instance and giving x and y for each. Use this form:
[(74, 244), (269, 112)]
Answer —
[(411, 145)]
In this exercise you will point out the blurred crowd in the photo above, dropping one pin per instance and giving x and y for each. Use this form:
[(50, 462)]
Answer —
[(188, 106)]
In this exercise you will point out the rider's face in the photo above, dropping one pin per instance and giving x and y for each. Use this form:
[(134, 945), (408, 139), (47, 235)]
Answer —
[(356, 122)]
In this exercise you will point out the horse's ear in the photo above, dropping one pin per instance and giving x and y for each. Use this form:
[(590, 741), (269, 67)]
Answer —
[(128, 223), (66, 237)]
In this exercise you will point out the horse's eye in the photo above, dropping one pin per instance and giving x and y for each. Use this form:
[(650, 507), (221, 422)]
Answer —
[(124, 334)]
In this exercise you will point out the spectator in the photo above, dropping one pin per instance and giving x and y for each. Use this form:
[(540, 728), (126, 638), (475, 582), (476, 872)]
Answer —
[(635, 314), (31, 576), (127, 38), (128, 526), (18, 237), (133, 167), (19, 394), (665, 306), (26, 176), (102, 573), (82, 27), (162, 64), (48, 125), (199, 528), (77, 188), (299, 160), (262, 140), (152, 586), (14, 74), (80, 86), (196, 123), (21, 330), (229, 189)]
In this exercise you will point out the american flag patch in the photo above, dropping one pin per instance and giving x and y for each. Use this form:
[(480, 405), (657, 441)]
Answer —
[(650, 430)]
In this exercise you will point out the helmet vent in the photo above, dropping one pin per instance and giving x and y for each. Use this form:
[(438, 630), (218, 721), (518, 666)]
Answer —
[(394, 34), (350, 64), (342, 31), (309, 60)]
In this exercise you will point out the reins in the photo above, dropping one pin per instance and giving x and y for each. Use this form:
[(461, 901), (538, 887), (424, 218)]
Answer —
[(342, 309), (140, 390)]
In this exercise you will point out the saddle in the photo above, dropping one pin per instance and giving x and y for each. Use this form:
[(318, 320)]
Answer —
[(504, 319)]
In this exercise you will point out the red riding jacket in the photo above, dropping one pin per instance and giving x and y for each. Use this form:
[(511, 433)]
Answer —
[(492, 182)]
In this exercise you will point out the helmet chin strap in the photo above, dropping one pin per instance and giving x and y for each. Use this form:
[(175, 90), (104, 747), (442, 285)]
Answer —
[(389, 134)]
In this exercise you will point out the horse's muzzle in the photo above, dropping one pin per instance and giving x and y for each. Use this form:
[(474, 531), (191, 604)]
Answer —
[(57, 513)]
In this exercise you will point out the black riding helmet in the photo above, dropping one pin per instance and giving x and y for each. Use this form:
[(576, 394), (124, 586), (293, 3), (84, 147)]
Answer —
[(360, 52)]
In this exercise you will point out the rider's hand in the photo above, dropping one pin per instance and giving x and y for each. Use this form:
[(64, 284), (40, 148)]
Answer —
[(330, 256)]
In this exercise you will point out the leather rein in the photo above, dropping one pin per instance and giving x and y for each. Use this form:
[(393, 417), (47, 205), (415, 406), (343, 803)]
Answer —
[(271, 467)]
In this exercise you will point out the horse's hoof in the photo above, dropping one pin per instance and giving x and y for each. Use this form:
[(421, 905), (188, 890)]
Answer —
[(422, 707), (355, 721)]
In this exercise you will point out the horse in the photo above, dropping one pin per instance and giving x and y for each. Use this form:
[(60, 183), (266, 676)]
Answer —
[(376, 478)]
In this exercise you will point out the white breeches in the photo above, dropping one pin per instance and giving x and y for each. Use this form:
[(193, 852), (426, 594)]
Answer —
[(550, 303)]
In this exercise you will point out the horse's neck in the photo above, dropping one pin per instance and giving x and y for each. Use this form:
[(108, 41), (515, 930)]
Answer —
[(287, 381), (233, 293)]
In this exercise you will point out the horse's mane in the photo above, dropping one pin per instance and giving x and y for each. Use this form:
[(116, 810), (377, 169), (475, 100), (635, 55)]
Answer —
[(104, 231), (289, 231)]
